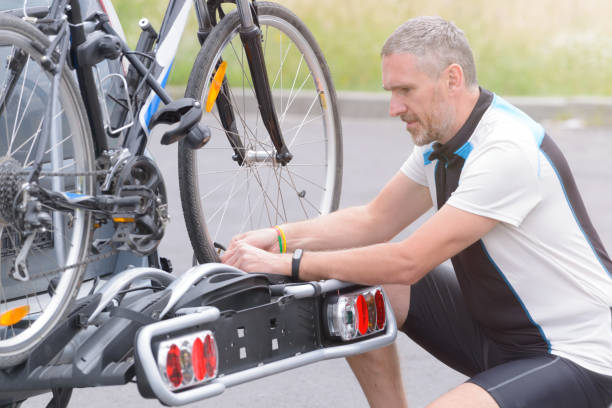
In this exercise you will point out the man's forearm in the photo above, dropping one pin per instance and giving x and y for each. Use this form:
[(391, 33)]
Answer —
[(374, 264), (346, 228)]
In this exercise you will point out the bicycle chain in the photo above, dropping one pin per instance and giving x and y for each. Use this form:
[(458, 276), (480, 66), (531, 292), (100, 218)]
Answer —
[(86, 261), (75, 174)]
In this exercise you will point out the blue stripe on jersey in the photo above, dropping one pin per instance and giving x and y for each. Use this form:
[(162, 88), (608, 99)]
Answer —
[(536, 129), (465, 150), (426, 156), (569, 203), (516, 295)]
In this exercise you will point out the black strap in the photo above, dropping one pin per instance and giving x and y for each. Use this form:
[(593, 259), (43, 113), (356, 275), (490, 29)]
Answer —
[(129, 314), (295, 265)]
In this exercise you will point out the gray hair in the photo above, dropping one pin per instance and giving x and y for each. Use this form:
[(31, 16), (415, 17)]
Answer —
[(438, 43)]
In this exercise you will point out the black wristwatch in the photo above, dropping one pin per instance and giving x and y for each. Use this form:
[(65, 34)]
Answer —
[(295, 265)]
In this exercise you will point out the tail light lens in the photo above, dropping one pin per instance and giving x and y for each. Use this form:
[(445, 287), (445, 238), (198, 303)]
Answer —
[(173, 366), (379, 300), (188, 360), (356, 314), (362, 313), (199, 360)]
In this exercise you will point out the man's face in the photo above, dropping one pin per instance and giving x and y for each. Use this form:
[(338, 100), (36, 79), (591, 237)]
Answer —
[(419, 100)]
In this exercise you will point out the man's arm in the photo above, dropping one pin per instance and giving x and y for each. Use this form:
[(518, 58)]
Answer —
[(445, 234), (399, 203)]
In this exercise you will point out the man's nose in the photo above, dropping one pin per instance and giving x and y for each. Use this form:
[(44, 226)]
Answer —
[(396, 106)]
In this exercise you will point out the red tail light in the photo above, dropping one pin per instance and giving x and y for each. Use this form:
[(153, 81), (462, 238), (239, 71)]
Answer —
[(173, 366), (362, 313), (380, 310), (195, 361), (199, 359), (356, 314)]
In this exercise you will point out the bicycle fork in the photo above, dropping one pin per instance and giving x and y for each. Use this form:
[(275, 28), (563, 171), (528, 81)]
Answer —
[(250, 35)]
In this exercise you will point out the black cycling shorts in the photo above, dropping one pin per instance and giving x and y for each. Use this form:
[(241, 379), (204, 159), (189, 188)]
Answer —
[(439, 321)]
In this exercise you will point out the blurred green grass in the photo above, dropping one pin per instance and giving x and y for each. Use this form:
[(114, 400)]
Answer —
[(522, 47)]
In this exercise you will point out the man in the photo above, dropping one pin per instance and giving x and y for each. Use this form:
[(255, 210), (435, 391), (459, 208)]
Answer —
[(526, 311)]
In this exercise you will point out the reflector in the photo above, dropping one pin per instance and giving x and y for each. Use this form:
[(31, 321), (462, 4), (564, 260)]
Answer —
[(173, 366), (369, 297), (210, 354), (199, 360), (215, 86), (14, 316), (380, 309), (362, 314), (187, 367)]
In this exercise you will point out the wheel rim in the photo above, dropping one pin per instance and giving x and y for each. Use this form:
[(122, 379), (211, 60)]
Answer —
[(20, 125), (238, 198)]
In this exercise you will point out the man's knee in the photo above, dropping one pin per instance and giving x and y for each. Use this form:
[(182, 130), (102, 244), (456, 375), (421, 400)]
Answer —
[(466, 395)]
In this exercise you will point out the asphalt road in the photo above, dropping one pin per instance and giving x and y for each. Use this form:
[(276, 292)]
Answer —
[(373, 152)]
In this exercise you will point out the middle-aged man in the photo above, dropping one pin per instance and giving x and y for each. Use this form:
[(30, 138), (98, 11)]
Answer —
[(526, 309)]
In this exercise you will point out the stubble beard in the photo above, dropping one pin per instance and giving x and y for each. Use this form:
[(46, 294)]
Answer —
[(437, 126)]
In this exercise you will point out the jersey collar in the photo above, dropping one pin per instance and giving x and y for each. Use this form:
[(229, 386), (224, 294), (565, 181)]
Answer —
[(453, 147)]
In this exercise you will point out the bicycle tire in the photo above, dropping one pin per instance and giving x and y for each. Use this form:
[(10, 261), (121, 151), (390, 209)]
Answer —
[(295, 180), (70, 150)]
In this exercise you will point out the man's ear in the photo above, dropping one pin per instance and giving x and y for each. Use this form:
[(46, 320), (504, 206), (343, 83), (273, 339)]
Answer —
[(454, 77)]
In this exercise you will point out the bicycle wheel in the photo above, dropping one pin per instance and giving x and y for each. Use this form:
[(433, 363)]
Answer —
[(30, 308), (221, 197)]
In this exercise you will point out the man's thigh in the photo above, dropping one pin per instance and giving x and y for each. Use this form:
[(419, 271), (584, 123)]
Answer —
[(438, 321), (545, 381)]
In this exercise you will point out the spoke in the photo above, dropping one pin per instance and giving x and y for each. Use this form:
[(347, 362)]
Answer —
[(27, 140), (25, 77), (214, 190), (296, 95), (303, 121), (322, 187), (32, 145), (304, 199), (241, 62), (226, 206), (308, 143), (308, 165), (279, 193), (266, 198), (298, 195), (293, 87), (265, 192), (206, 173), (29, 101), (232, 195), (279, 72), (58, 143)]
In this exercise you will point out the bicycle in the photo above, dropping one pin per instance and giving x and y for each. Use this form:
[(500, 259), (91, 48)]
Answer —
[(77, 189)]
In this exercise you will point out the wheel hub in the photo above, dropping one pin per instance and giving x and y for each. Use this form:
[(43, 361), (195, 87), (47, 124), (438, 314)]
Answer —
[(260, 156)]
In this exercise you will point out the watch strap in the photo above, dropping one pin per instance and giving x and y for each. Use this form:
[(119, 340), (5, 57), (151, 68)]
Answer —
[(295, 264)]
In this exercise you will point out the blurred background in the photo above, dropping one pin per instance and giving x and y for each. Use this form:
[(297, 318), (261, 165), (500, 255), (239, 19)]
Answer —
[(522, 47)]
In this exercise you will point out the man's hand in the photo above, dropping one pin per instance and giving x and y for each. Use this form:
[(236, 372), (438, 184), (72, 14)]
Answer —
[(265, 239), (249, 258)]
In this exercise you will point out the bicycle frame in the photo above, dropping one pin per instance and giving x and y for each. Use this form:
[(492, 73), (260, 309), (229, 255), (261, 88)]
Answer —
[(172, 28)]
